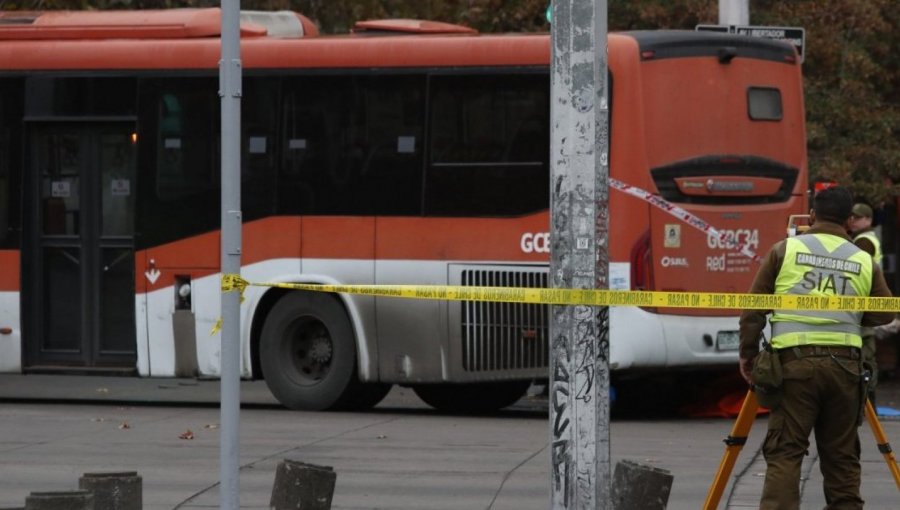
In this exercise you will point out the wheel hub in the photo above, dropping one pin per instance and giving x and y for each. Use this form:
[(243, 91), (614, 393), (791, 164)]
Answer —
[(320, 350)]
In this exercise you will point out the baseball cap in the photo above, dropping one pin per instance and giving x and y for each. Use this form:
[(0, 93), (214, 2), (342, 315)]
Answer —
[(861, 211)]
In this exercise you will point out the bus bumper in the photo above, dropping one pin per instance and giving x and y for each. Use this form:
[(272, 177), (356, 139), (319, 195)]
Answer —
[(643, 339)]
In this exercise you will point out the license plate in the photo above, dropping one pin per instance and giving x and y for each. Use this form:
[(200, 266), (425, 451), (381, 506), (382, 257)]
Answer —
[(728, 341)]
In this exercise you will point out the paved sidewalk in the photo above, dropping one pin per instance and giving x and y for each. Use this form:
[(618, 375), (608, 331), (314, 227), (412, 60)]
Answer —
[(112, 390), (402, 455)]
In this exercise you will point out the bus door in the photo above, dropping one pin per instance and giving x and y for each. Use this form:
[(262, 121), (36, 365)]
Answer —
[(79, 275)]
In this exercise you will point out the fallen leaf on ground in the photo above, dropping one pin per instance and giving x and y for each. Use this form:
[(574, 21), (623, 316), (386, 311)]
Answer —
[(186, 435), (124, 425)]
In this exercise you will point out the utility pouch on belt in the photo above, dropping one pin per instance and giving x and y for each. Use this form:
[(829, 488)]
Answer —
[(868, 373), (767, 377), (865, 386)]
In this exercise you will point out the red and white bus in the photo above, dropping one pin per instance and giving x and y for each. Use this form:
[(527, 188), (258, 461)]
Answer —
[(407, 152)]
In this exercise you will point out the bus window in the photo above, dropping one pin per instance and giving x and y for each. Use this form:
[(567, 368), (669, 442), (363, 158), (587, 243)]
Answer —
[(67, 97), (318, 158), (259, 124), (354, 146), (489, 145), (764, 103), (187, 143), (178, 158), (61, 183), (10, 161), (4, 185), (392, 111)]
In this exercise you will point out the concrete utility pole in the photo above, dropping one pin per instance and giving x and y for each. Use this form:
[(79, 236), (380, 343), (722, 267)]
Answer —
[(734, 12), (230, 92), (579, 198)]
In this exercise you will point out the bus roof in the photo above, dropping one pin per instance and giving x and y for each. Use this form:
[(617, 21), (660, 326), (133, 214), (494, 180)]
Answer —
[(148, 24), (409, 26), (656, 44), (189, 39)]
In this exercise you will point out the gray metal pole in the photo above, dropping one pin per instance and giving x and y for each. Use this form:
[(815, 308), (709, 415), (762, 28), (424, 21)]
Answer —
[(734, 12), (230, 92), (579, 198)]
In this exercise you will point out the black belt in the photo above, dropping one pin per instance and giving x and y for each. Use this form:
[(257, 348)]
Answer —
[(804, 351)]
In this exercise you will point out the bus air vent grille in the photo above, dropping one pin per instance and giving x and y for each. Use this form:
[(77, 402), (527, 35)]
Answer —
[(504, 336)]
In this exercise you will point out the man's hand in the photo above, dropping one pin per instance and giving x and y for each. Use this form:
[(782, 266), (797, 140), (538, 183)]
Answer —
[(887, 330), (746, 366)]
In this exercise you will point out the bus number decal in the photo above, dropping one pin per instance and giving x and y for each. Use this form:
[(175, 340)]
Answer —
[(535, 243), (730, 239)]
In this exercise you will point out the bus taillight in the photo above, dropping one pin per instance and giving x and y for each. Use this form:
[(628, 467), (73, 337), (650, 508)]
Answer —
[(641, 268)]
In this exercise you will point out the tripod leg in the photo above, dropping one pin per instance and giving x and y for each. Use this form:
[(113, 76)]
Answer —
[(881, 440), (733, 445)]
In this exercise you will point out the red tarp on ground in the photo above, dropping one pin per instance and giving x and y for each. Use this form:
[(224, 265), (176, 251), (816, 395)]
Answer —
[(723, 399)]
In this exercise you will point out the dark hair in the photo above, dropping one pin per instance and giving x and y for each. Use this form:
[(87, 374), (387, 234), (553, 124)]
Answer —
[(833, 204)]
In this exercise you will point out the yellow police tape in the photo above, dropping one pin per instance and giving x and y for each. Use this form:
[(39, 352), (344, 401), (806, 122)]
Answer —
[(592, 297)]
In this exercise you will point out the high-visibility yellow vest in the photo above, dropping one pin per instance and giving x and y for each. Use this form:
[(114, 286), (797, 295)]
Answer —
[(870, 235), (821, 265)]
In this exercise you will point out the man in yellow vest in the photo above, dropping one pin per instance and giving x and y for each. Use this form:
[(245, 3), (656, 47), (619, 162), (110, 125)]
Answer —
[(859, 226), (822, 387)]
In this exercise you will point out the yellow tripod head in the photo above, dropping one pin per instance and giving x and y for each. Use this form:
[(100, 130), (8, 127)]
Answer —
[(797, 224)]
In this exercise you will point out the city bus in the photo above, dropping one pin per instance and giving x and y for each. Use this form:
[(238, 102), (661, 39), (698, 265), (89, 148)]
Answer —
[(404, 152)]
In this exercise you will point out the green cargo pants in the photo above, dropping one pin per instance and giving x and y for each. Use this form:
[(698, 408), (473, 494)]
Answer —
[(821, 393)]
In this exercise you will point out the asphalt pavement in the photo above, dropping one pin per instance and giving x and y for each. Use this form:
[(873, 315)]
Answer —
[(401, 455)]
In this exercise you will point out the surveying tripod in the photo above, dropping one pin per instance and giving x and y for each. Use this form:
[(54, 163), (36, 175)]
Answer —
[(738, 437)]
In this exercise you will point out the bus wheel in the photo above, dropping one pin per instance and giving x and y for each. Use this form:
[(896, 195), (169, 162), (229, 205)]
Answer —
[(473, 397), (365, 396), (308, 353)]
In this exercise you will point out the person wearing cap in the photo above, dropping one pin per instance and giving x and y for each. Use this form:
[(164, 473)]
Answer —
[(818, 352), (860, 227)]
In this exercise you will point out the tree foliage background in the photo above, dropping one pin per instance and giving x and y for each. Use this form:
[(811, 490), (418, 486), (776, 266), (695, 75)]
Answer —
[(851, 71)]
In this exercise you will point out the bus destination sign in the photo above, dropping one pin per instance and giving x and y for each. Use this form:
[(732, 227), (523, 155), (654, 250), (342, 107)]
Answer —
[(792, 35)]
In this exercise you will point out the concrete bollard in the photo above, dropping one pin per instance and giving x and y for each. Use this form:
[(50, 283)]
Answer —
[(639, 487), (61, 500), (301, 485), (114, 491)]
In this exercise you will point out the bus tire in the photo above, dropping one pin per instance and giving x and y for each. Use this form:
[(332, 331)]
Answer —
[(365, 396), (472, 397), (308, 353)]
